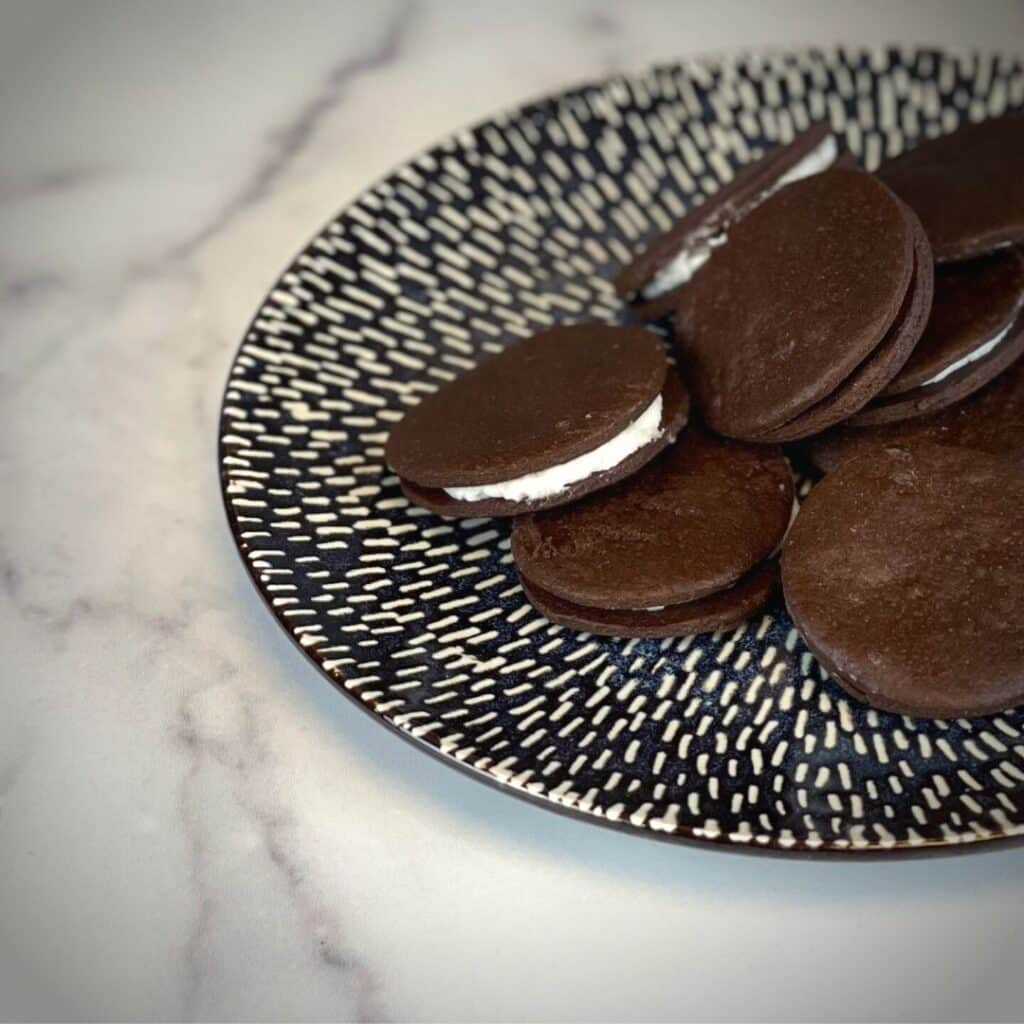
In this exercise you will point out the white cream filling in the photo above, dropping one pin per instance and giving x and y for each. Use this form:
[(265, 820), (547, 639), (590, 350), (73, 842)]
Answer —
[(821, 157), (547, 482), (692, 257), (683, 266), (978, 353)]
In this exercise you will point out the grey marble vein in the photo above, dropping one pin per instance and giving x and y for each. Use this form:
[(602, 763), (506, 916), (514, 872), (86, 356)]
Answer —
[(45, 350), (328, 944), (292, 138), (16, 753), (248, 761), (189, 740), (9, 773), (606, 33), (57, 618), (88, 309), (22, 294), (61, 179), (19, 288), (10, 578), (599, 23), (85, 609)]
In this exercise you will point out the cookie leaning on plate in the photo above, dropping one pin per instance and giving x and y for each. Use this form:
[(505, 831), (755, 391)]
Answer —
[(545, 421), (807, 311), (976, 330), (904, 572), (683, 546), (652, 282)]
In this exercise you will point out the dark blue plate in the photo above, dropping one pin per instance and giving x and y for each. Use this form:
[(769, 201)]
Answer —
[(518, 223)]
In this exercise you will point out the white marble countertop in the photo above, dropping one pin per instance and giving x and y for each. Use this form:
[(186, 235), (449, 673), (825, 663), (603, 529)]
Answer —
[(192, 823)]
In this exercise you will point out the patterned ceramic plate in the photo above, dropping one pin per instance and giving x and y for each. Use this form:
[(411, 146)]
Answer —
[(736, 737)]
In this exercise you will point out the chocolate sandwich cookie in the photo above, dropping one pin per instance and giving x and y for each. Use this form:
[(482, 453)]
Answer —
[(722, 610), (809, 309), (653, 281), (904, 572), (546, 421), (966, 187), (974, 332), (990, 420), (685, 545)]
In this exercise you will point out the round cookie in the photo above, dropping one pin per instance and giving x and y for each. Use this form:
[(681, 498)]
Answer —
[(690, 524), (819, 293), (652, 282), (879, 367), (904, 572), (722, 610), (989, 420), (675, 406), (545, 421), (966, 187)]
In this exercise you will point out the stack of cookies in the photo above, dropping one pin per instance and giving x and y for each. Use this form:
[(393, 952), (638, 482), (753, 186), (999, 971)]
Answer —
[(873, 321)]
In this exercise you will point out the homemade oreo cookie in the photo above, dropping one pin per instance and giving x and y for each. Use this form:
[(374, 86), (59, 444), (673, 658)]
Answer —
[(974, 332), (546, 421), (807, 311), (966, 187), (990, 420), (652, 282), (904, 572), (683, 546)]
